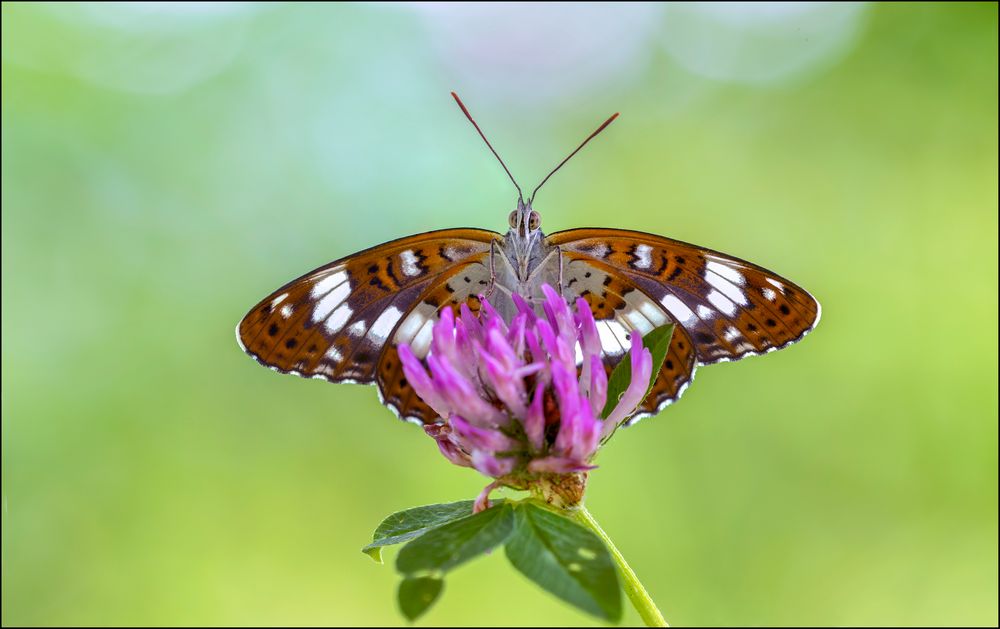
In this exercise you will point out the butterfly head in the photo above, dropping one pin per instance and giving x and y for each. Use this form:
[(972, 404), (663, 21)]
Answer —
[(525, 232), (524, 222)]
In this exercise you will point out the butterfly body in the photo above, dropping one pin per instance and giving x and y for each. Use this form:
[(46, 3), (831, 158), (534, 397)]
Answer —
[(344, 321), (522, 261)]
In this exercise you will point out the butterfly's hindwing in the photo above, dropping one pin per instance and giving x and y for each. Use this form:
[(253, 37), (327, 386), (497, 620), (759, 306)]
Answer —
[(675, 376), (619, 307), (729, 307), (462, 284), (334, 323)]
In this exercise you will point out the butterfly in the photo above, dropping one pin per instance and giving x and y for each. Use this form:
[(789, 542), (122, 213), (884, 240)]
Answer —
[(344, 321)]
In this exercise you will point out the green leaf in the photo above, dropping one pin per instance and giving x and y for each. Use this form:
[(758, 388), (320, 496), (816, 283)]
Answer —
[(441, 549), (403, 526), (566, 559), (657, 341), (417, 594)]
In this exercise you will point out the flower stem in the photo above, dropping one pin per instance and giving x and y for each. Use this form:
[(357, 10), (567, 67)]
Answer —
[(640, 598)]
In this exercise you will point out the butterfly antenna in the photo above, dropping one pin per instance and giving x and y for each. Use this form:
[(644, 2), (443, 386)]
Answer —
[(469, 116), (589, 138)]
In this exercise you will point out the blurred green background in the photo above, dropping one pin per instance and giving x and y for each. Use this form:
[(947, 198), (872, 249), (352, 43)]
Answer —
[(166, 166)]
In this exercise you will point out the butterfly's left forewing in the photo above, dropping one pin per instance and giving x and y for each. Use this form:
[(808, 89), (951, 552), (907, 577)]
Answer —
[(341, 321), (724, 308), (731, 308)]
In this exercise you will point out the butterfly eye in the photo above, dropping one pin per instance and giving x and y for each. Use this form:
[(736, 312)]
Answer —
[(534, 220), (512, 219)]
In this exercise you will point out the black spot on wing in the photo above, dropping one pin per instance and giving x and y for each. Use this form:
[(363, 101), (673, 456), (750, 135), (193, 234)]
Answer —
[(392, 274)]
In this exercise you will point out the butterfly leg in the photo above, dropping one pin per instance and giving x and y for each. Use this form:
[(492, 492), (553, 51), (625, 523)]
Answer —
[(559, 253), (493, 271)]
